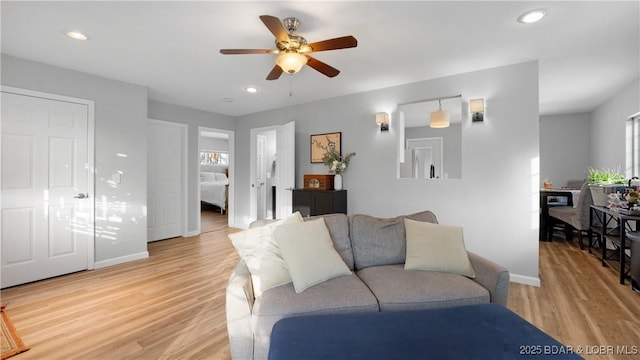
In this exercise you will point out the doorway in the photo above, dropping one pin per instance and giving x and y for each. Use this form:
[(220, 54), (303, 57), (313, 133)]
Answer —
[(216, 151), (272, 171), (48, 222)]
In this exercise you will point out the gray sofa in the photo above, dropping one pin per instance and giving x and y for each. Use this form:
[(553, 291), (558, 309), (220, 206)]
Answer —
[(374, 249)]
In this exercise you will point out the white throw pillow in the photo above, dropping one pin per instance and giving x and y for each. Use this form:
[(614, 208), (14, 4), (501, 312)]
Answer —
[(309, 253), (437, 248), (260, 252)]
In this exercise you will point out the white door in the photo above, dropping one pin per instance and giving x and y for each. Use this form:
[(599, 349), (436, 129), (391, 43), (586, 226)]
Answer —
[(165, 144), (286, 179), (47, 191), (261, 176)]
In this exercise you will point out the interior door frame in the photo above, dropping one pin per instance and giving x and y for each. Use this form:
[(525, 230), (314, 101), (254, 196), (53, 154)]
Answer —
[(90, 166), (253, 149), (231, 219), (184, 165)]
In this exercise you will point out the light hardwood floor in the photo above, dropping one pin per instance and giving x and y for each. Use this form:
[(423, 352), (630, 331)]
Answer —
[(171, 305)]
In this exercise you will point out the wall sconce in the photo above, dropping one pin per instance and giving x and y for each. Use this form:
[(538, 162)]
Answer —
[(382, 119), (477, 109)]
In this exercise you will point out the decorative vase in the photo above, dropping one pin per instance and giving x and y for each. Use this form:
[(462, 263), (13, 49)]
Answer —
[(337, 182)]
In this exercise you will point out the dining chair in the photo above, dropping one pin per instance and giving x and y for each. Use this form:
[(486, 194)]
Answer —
[(576, 217)]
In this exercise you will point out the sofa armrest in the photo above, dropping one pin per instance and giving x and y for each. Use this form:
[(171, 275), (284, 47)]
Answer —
[(491, 276), (239, 305)]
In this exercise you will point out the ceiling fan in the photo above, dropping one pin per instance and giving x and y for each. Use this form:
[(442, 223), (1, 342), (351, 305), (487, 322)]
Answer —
[(293, 50)]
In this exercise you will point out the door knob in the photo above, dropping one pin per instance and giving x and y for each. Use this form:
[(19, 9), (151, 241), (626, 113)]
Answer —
[(81, 196)]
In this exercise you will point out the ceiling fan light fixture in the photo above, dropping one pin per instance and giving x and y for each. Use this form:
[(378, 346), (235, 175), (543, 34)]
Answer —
[(291, 62)]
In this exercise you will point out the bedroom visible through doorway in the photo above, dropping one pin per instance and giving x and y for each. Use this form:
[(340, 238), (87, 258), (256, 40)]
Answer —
[(215, 159)]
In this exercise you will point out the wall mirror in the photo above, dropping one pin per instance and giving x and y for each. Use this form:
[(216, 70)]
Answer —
[(425, 152)]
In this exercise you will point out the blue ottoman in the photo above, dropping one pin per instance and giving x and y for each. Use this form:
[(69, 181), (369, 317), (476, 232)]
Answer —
[(487, 331)]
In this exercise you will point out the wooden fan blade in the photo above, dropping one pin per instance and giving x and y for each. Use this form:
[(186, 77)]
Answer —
[(275, 26), (275, 73), (328, 70), (247, 51), (334, 44)]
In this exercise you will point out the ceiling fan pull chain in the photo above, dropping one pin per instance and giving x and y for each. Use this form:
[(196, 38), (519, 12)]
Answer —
[(291, 85)]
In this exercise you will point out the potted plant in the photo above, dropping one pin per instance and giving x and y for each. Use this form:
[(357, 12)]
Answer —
[(602, 182)]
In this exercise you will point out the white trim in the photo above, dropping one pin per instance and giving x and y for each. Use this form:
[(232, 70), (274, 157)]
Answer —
[(527, 280), (91, 188), (191, 233), (122, 259), (185, 171), (231, 219)]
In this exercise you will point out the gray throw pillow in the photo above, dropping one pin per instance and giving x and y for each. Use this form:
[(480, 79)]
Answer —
[(377, 241)]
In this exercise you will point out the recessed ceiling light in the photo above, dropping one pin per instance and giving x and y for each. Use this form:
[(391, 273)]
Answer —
[(77, 35), (251, 89), (532, 16), (228, 99)]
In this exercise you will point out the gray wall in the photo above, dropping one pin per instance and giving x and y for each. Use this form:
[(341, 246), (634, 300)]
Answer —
[(193, 118), (496, 201), (608, 127), (120, 127), (564, 147)]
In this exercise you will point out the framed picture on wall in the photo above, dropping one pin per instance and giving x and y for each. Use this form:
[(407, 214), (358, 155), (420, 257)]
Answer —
[(323, 143)]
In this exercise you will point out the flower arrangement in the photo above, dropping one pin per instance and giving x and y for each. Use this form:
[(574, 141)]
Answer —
[(336, 163)]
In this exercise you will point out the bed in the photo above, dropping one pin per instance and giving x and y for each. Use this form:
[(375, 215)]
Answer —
[(214, 189)]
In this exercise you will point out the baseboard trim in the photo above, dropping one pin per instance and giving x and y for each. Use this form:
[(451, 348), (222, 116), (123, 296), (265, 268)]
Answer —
[(240, 226), (527, 280), (121, 260), (191, 233)]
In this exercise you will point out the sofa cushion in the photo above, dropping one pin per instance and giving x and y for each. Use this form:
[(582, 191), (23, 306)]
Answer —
[(400, 289), (308, 251), (260, 252), (338, 225), (379, 241), (436, 247), (344, 294)]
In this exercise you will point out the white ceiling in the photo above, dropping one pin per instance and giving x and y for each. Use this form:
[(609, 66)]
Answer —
[(586, 50)]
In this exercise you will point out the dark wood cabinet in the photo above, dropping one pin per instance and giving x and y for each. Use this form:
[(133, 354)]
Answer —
[(319, 202)]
